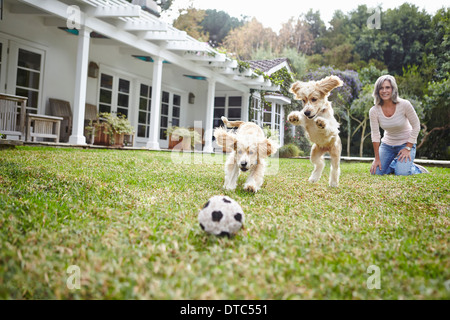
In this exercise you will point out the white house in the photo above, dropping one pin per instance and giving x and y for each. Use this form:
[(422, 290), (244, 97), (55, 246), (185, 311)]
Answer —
[(271, 114), (138, 65)]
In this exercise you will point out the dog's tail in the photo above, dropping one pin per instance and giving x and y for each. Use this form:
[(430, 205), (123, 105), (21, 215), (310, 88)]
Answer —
[(232, 124)]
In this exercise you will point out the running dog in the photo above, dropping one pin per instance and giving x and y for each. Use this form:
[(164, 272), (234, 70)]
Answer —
[(249, 147), (317, 117)]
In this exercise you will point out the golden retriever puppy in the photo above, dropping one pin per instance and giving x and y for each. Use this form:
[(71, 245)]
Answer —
[(317, 117), (248, 148)]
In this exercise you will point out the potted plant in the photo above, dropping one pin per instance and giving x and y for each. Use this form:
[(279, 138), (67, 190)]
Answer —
[(111, 129), (183, 137)]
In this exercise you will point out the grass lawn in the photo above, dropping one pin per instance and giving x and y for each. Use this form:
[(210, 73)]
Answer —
[(128, 221)]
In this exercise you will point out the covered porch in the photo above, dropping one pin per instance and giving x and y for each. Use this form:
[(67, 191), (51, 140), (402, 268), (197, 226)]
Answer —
[(122, 59)]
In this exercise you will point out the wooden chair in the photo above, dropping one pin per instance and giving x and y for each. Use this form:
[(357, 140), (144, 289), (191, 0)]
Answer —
[(12, 115), (61, 108), (43, 127)]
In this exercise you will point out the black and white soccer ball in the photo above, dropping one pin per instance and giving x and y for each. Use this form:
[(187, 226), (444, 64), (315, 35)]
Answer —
[(221, 216)]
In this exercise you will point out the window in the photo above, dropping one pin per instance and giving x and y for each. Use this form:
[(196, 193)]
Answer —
[(123, 97), (170, 113), (106, 92), (267, 115), (145, 102), (219, 111), (270, 115), (277, 123), (114, 94), (164, 122), (255, 110), (28, 77), (230, 107), (176, 110), (234, 108), (21, 71)]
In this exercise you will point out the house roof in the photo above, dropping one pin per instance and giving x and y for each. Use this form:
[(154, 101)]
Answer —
[(269, 66), (130, 25)]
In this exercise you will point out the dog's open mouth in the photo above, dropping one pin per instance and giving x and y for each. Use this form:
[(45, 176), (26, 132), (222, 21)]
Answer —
[(244, 169), (312, 117)]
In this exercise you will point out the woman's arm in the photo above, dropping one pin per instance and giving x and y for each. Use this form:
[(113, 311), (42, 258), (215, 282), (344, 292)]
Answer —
[(413, 119), (376, 137), (377, 162)]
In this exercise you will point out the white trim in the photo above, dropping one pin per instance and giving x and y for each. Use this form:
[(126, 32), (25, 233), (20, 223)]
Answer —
[(280, 66), (24, 41), (3, 63), (277, 99)]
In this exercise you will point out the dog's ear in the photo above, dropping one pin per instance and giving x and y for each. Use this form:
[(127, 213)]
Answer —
[(295, 89), (329, 83), (267, 147), (225, 139)]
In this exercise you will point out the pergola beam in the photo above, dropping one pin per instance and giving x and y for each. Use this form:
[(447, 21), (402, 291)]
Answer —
[(142, 26), (217, 57), (186, 46), (164, 35), (115, 11)]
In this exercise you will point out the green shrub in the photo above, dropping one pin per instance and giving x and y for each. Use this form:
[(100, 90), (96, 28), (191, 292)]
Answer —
[(290, 150)]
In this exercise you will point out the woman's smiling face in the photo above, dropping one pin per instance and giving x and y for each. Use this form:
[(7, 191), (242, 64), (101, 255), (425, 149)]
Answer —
[(386, 91)]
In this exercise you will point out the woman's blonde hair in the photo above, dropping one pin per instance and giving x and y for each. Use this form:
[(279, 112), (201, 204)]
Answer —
[(376, 92)]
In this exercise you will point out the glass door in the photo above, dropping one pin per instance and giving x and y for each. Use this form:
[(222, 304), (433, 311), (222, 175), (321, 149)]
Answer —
[(26, 70), (170, 116), (145, 108)]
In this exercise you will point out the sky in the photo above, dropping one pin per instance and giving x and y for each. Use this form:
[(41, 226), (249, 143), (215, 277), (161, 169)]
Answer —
[(273, 13)]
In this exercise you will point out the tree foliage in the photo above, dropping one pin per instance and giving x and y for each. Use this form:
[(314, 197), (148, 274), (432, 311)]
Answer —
[(409, 43), (189, 20), (218, 25)]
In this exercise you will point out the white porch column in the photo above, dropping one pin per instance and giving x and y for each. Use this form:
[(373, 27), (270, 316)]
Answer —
[(245, 106), (79, 103), (209, 116), (282, 124), (153, 143)]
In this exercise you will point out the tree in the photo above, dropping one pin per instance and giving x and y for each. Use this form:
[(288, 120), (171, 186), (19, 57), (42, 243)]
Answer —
[(189, 20), (437, 52), (359, 112), (295, 34), (249, 38), (317, 29), (218, 24), (405, 47), (435, 142)]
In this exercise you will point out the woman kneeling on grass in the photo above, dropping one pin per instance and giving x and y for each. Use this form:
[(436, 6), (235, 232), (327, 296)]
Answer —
[(401, 126)]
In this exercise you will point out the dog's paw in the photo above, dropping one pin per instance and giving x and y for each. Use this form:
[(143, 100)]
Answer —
[(334, 184), (229, 188), (313, 179), (250, 188), (294, 119), (321, 123)]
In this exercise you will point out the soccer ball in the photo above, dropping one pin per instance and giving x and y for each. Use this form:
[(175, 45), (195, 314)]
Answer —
[(221, 216)]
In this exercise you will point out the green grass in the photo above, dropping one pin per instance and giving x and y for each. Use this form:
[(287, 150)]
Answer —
[(128, 220)]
